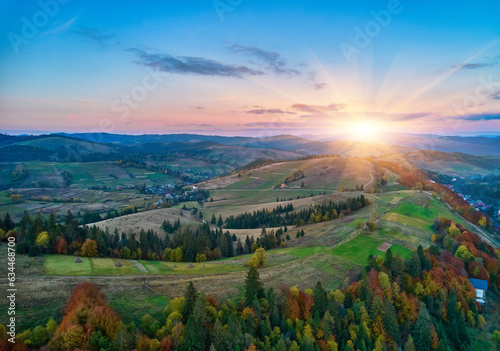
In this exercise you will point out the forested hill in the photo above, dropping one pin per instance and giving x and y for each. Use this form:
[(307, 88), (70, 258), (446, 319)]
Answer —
[(426, 303)]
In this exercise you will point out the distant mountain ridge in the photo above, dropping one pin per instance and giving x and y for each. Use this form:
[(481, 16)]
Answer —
[(381, 144)]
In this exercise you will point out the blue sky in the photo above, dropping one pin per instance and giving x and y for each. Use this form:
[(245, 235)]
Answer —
[(250, 67)]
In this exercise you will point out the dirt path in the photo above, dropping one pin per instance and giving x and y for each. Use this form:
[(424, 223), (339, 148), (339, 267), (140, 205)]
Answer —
[(139, 266), (371, 181)]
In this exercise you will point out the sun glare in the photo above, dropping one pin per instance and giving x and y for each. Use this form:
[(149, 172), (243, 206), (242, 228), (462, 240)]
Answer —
[(364, 129)]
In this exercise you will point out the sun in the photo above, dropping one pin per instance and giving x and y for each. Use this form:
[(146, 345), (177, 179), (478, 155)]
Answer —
[(364, 129)]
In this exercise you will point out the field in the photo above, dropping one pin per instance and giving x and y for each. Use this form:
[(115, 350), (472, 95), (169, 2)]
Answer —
[(329, 173), (61, 265), (149, 220), (419, 211), (358, 249)]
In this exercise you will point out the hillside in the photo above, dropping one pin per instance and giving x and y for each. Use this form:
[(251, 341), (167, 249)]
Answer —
[(328, 173)]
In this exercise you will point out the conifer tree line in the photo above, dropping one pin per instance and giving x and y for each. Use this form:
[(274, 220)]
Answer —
[(426, 303), (37, 235), (313, 214)]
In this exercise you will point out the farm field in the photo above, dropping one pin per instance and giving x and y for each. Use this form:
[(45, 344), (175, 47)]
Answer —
[(64, 265), (358, 249), (329, 173)]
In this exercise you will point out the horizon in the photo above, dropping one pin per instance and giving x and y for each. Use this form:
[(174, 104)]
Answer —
[(302, 135), (251, 69)]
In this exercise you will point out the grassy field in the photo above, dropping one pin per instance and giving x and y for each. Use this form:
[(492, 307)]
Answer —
[(358, 249), (330, 173), (419, 211), (63, 265)]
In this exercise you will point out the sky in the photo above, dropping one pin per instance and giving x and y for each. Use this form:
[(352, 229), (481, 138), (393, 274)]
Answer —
[(241, 67)]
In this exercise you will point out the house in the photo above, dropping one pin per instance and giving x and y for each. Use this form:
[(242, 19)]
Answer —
[(481, 286), (283, 185), (195, 187)]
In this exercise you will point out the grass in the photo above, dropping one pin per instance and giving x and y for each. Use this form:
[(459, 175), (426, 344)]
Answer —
[(63, 265), (414, 212), (66, 265), (132, 306), (361, 247)]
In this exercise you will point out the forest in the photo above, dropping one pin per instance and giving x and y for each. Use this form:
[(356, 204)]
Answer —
[(425, 303)]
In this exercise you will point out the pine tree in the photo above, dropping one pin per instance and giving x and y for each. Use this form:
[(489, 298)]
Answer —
[(422, 330), (193, 335), (253, 286), (190, 297), (409, 344), (390, 320), (320, 299)]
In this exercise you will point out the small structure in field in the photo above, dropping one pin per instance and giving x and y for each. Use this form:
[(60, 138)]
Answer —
[(118, 264), (190, 265), (175, 266), (481, 287), (78, 260)]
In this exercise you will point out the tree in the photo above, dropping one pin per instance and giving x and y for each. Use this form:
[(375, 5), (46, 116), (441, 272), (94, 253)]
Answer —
[(178, 255), (409, 344), (190, 297), (422, 330), (463, 253), (193, 335), (89, 248), (482, 222), (320, 299), (42, 240), (390, 320), (220, 222), (258, 259), (253, 286)]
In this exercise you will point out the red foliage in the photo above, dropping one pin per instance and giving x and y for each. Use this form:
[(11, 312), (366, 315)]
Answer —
[(61, 246), (167, 344), (305, 304)]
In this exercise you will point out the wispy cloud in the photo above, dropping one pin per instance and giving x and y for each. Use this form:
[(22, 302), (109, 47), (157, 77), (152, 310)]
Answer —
[(272, 60), (319, 86), (319, 109), (482, 117), (475, 65), (63, 27), (496, 95), (263, 111), (192, 65), (97, 36)]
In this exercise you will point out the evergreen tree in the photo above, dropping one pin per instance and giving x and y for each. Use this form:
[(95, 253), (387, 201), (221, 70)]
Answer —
[(253, 286), (422, 330), (190, 297), (390, 320), (320, 299), (193, 335), (409, 344)]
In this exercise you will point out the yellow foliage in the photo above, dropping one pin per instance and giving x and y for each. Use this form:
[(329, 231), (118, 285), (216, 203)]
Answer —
[(258, 259), (294, 291), (42, 240)]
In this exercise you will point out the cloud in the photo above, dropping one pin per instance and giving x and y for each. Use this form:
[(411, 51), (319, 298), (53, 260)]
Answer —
[(319, 86), (273, 60), (263, 111), (495, 95), (193, 125), (481, 117), (97, 36), (192, 65), (475, 65), (319, 109)]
